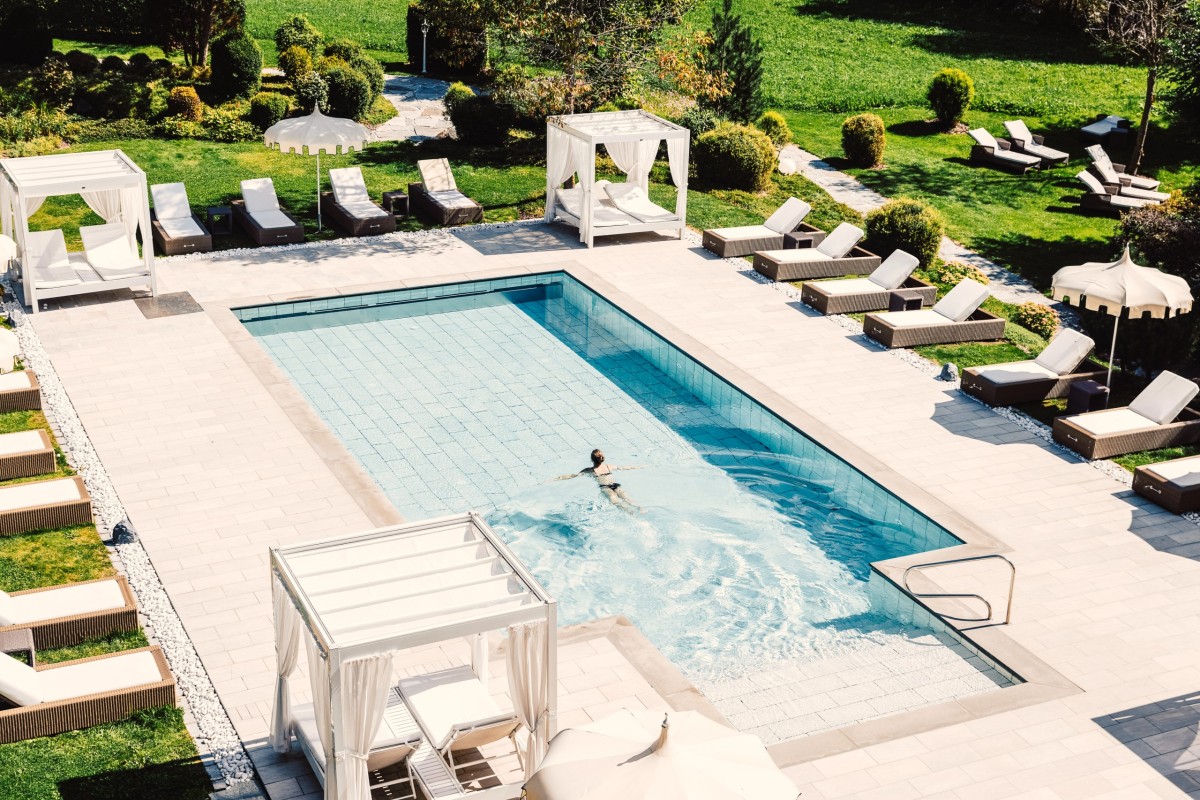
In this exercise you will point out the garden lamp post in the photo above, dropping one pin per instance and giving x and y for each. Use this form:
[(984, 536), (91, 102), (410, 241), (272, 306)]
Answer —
[(424, 38)]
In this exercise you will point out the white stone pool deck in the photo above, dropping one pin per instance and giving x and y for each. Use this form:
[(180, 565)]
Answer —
[(213, 470)]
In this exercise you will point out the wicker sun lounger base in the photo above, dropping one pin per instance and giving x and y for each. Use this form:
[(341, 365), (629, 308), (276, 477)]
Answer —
[(876, 300), (857, 262), (1185, 430), (428, 210), (717, 244), (52, 515), (23, 399), (985, 155), (48, 719), (178, 245), (979, 327), (66, 631), (356, 226), (266, 236), (1007, 394), (41, 461), (1174, 497)]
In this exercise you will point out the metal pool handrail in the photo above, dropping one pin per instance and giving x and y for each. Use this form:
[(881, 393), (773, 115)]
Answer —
[(1012, 580)]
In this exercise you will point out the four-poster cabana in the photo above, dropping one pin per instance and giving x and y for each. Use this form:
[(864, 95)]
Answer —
[(362, 598), (632, 139), (114, 187)]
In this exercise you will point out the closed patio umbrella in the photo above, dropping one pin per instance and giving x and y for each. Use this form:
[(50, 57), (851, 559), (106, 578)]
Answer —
[(314, 134), (1122, 285), (642, 756)]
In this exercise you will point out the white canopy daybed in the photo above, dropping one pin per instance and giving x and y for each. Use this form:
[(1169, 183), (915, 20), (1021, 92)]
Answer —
[(114, 187), (632, 139), (362, 598)]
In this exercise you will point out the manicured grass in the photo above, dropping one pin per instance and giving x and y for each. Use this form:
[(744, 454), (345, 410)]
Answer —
[(102, 49), (380, 27), (149, 755), (113, 643), (48, 558)]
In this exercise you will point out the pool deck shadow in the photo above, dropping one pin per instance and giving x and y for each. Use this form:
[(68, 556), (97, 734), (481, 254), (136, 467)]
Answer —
[(1165, 735)]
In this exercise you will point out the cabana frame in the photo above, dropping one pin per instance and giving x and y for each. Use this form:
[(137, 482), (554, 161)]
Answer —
[(25, 182), (355, 605), (586, 132)]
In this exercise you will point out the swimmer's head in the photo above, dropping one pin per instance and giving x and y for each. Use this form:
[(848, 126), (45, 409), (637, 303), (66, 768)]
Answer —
[(597, 458)]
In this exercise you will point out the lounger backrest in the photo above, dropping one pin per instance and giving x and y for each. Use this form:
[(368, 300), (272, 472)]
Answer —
[(19, 682), (348, 185), (962, 301), (841, 241), (170, 201), (1019, 131), (983, 138), (1089, 180), (894, 270), (1103, 164), (6, 610), (1165, 397), (259, 194), (107, 244), (46, 249), (788, 216), (1066, 351), (436, 175)]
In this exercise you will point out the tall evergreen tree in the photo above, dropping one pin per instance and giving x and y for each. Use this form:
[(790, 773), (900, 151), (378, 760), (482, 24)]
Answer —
[(736, 53)]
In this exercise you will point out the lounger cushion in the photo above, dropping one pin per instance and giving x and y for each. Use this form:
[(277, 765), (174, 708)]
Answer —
[(1104, 126), (272, 219), (1164, 398), (65, 601), (123, 671), (1181, 471), (6, 609), (894, 270), (452, 198), (797, 256), (962, 301), (363, 209), (19, 682), (571, 200), (436, 175), (21, 442), (1016, 372), (170, 201), (632, 200), (1066, 351), (1041, 151), (304, 725), (349, 186), (841, 241), (15, 381), (1114, 420), (1106, 169), (1018, 131), (983, 138), (788, 216), (259, 195), (745, 232), (38, 493), (1089, 180), (1144, 194), (181, 228), (446, 700), (46, 249), (913, 319), (109, 251), (848, 286)]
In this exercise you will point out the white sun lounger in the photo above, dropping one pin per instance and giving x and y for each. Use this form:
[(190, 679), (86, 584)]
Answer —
[(110, 252), (838, 254), (957, 317), (176, 229), (19, 391), (987, 149), (872, 293), (1049, 375), (1110, 174), (746, 239), (59, 616), (1024, 141), (56, 503), (24, 454), (1099, 197), (46, 260), (632, 200), (1158, 417), (350, 206), (259, 215)]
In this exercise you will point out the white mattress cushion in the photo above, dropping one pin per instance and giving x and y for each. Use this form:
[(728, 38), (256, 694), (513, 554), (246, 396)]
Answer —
[(841, 241), (745, 232), (170, 201), (848, 286), (1129, 202), (1165, 397), (634, 202), (1144, 194), (788, 216), (452, 198), (21, 442), (962, 301), (108, 248), (45, 249), (63, 275), (6, 609), (1018, 158), (1045, 152), (797, 256), (12, 381), (1142, 182), (1019, 131), (894, 270), (123, 671), (363, 209), (179, 228), (66, 601), (1181, 471), (272, 219), (1089, 180), (444, 700), (19, 682), (304, 725), (1113, 420), (436, 175), (982, 137), (348, 185), (1066, 351), (259, 195), (912, 319), (571, 200), (1016, 372), (38, 493)]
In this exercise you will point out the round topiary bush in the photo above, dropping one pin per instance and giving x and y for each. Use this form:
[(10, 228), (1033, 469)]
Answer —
[(349, 93), (775, 126), (236, 66), (950, 95), (457, 93), (267, 108), (54, 83), (908, 225), (734, 157), (698, 120), (370, 69), (140, 61), (296, 62), (113, 64), (311, 92), (477, 120), (183, 102), (1038, 318), (82, 63), (345, 49), (863, 140), (297, 31)]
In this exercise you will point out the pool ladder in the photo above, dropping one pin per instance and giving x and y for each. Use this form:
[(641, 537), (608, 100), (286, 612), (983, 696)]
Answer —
[(1012, 580)]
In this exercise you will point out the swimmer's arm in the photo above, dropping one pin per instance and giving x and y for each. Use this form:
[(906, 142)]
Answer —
[(572, 475)]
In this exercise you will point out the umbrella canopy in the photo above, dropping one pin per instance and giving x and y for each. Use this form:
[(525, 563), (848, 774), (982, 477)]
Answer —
[(636, 756), (316, 134), (1122, 285)]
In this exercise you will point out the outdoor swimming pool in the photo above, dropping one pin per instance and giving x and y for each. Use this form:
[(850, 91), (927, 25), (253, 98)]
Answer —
[(752, 555)]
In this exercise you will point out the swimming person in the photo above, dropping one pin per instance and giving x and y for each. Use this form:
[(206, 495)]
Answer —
[(603, 473)]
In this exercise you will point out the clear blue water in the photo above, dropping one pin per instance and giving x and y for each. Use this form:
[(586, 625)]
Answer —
[(753, 544)]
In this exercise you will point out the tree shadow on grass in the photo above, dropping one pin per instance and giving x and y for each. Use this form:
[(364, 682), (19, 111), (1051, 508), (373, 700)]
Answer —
[(1037, 259), (182, 779), (916, 128)]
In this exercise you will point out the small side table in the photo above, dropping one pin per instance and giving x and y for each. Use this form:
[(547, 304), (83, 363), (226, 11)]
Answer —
[(220, 220), (1085, 396), (396, 203), (797, 240), (19, 641), (903, 300)]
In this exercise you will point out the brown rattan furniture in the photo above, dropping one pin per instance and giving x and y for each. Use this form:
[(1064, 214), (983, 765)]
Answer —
[(396, 202), (1021, 139), (260, 216), (54, 503), (776, 266), (747, 239), (1107, 129), (999, 153), (20, 391), (436, 200), (176, 229), (976, 384), (349, 205), (1158, 417), (804, 236), (1174, 485), (24, 454), (869, 298), (1112, 174), (981, 326), (63, 631), (355, 226), (50, 718), (18, 640)]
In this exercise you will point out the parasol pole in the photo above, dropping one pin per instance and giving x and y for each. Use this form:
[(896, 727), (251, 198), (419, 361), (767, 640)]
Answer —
[(318, 191), (1112, 355)]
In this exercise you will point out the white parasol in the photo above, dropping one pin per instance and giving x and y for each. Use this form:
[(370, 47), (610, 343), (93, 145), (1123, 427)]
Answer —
[(642, 756), (1119, 286), (317, 133)]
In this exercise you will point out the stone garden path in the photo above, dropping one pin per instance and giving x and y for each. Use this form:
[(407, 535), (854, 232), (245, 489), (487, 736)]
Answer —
[(420, 112)]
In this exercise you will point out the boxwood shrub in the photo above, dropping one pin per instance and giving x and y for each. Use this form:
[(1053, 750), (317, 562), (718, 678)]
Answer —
[(734, 156), (349, 93), (908, 225), (267, 108), (236, 66), (950, 94), (863, 140)]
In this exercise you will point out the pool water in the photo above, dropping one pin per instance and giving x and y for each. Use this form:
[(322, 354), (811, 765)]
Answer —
[(749, 547)]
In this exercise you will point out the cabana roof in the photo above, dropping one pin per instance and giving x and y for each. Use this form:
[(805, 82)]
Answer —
[(409, 585), (71, 173), (618, 126)]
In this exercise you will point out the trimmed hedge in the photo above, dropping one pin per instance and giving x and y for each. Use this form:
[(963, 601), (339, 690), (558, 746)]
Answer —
[(863, 140), (296, 62), (82, 63), (183, 102), (297, 31), (1038, 318), (698, 120), (477, 120), (349, 93), (734, 156), (267, 108), (113, 64), (950, 94), (774, 125), (312, 91), (908, 225), (236, 66)]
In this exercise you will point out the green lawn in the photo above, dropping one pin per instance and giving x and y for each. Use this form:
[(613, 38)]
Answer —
[(379, 28)]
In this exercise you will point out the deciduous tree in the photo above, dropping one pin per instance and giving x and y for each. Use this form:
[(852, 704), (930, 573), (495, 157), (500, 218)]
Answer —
[(190, 26)]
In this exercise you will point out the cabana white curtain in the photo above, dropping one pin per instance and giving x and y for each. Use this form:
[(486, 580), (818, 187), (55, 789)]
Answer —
[(564, 156), (677, 157), (528, 685), (287, 651), (318, 679), (114, 205), (365, 684), (635, 159)]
